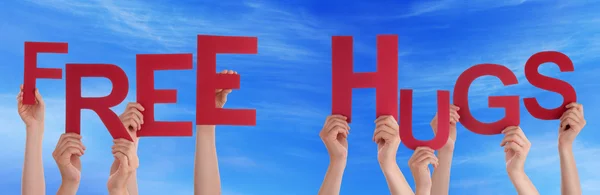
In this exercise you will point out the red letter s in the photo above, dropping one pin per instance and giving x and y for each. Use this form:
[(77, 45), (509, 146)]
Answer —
[(548, 83)]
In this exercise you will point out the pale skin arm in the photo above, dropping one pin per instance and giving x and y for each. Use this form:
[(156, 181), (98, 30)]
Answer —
[(207, 180), (333, 178), (33, 169), (396, 180), (206, 172), (441, 174), (516, 147), (440, 178), (334, 135), (132, 119), (387, 137), (571, 123), (32, 182)]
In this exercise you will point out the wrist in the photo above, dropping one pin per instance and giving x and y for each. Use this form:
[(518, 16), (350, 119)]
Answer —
[(337, 162), (448, 147), (117, 191), (516, 174), (565, 147), (68, 188)]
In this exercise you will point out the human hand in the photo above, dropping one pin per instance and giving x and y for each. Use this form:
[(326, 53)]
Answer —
[(126, 157), (454, 118), (334, 135), (133, 119), (66, 154), (32, 115), (571, 123), (516, 147), (419, 165), (221, 94), (387, 137)]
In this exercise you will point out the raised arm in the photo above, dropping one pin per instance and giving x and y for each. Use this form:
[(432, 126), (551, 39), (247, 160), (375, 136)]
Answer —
[(66, 154), (32, 182), (132, 119), (388, 139), (571, 123), (334, 135), (419, 165), (516, 147), (440, 180), (125, 155), (206, 168)]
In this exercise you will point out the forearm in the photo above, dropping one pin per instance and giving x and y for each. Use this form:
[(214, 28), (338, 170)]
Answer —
[(440, 178), (570, 184), (33, 169), (132, 186), (68, 188), (523, 184), (395, 179), (206, 172), (333, 178)]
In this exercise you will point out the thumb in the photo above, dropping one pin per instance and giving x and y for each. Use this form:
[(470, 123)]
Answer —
[(38, 97), (123, 161)]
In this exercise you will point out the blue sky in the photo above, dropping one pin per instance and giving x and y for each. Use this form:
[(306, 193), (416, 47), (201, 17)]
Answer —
[(289, 84)]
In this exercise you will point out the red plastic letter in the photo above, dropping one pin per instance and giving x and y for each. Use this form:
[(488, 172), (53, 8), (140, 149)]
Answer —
[(32, 72), (443, 125), (548, 83), (147, 96), (509, 103), (100, 105), (385, 80), (208, 80)]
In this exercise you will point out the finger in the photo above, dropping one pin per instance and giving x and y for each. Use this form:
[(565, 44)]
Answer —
[(571, 115), (337, 125), (518, 131), (21, 87), (574, 105), (337, 121), (230, 72), (123, 160), (123, 141), (387, 128), (427, 157), (227, 91), (135, 105), (514, 137), (568, 122), (70, 144), (218, 90), (514, 147), (382, 135), (235, 72), (573, 112), (138, 115), (223, 72), (454, 118), (70, 152), (133, 124), (331, 117), (454, 107), (421, 149), (384, 118)]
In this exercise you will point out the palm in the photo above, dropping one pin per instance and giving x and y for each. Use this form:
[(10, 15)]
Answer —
[(510, 158), (341, 144), (221, 98), (73, 168), (31, 113)]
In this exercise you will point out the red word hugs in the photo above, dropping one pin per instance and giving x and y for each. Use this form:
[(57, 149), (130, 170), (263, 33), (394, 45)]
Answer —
[(147, 95), (385, 81)]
